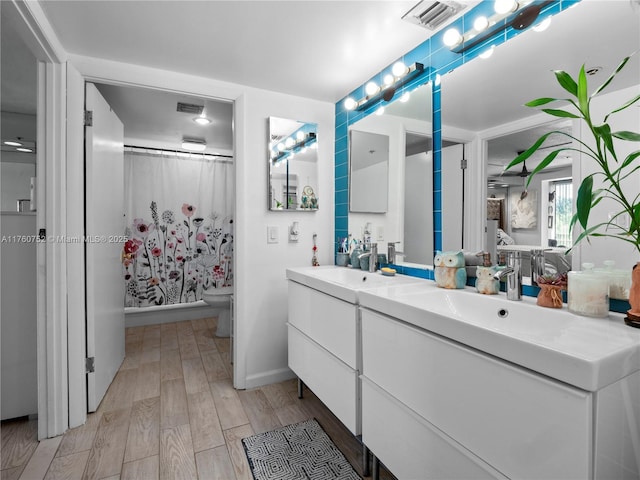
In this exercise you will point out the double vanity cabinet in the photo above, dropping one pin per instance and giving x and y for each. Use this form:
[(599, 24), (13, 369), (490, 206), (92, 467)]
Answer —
[(449, 384)]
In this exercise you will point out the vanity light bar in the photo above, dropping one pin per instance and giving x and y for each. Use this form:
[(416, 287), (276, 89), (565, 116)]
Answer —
[(525, 14), (387, 92), (308, 140)]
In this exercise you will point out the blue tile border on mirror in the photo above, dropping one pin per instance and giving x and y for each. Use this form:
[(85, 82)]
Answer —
[(439, 60)]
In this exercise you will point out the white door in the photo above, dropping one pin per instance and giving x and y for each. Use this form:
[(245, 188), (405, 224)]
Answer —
[(104, 227), (452, 185)]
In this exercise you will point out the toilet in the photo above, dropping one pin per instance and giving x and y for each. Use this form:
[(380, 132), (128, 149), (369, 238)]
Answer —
[(220, 298)]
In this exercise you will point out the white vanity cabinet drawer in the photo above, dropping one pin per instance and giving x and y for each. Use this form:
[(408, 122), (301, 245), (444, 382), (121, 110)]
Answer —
[(522, 424), (329, 321), (333, 382), (409, 446)]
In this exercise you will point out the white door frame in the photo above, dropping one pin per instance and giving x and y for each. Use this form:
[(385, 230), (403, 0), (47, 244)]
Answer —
[(81, 70), (27, 17)]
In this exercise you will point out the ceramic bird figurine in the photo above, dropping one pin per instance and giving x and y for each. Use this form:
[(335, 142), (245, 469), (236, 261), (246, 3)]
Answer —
[(449, 270), (485, 283)]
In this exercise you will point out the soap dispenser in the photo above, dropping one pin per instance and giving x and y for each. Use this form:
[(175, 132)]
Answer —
[(485, 281)]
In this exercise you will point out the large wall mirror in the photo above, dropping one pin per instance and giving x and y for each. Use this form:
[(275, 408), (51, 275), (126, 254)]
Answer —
[(293, 165), (408, 217), (483, 101)]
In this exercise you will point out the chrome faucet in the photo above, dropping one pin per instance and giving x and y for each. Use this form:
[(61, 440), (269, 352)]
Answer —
[(513, 273), (537, 264), (391, 252), (373, 256)]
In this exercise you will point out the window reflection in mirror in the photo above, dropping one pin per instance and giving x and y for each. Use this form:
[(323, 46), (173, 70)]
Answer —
[(293, 165), (408, 218), (483, 101)]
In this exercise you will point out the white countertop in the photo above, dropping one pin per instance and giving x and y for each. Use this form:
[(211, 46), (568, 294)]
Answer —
[(588, 353)]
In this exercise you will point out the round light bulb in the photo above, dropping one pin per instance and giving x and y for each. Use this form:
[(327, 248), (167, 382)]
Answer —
[(380, 111), (487, 53), (350, 103), (405, 97), (388, 79), (289, 142), (371, 88), (281, 147), (505, 6), (300, 136), (543, 25), (481, 23), (399, 69), (452, 37)]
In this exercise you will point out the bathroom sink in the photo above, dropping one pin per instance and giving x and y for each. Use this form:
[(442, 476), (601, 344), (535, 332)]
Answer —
[(345, 282), (586, 352)]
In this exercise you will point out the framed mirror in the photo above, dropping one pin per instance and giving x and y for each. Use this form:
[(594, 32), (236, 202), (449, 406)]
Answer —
[(293, 165), (485, 100), (408, 218)]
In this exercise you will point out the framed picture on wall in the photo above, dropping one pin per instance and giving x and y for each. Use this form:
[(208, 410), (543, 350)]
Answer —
[(524, 209)]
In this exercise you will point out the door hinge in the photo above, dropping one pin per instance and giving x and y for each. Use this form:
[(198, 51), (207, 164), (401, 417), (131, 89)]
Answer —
[(90, 364), (463, 164), (88, 118)]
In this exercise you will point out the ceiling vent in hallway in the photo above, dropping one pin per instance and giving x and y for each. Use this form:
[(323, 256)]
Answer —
[(432, 14), (190, 108)]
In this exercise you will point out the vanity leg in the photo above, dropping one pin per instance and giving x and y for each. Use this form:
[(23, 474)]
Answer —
[(375, 468), (300, 388), (366, 459)]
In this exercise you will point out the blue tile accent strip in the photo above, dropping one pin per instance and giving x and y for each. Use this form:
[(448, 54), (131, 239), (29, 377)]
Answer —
[(439, 60)]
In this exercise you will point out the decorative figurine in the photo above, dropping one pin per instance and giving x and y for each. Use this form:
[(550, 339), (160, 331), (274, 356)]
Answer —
[(485, 283), (449, 270)]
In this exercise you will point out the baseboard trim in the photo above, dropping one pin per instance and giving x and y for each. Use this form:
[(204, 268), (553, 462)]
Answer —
[(269, 377)]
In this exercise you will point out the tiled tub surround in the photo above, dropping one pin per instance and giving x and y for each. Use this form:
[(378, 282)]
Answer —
[(451, 387)]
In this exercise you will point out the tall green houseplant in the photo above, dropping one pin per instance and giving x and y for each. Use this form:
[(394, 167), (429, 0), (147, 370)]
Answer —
[(611, 169)]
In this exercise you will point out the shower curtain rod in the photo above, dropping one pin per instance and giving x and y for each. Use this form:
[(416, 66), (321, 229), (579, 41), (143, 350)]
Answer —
[(212, 156)]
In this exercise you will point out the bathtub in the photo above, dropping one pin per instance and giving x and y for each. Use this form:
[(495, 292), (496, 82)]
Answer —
[(139, 316)]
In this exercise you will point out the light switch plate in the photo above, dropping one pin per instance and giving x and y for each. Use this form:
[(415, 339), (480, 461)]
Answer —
[(272, 234)]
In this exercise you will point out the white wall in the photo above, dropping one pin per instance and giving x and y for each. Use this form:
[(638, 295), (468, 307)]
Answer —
[(260, 287), (16, 182)]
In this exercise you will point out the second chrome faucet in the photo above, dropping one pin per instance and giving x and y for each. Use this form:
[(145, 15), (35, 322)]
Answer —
[(513, 274)]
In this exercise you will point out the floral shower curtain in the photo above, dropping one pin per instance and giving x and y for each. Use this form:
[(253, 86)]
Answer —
[(180, 227)]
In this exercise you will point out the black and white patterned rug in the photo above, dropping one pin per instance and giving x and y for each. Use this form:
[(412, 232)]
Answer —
[(297, 452)]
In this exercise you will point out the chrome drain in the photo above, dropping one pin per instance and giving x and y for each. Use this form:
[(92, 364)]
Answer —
[(503, 313)]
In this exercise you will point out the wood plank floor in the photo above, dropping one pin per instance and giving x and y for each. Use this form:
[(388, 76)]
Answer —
[(170, 413)]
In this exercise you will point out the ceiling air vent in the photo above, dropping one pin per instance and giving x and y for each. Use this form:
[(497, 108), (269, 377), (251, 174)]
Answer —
[(190, 108), (431, 15)]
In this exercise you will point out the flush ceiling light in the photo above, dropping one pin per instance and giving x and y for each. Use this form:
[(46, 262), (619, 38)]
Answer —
[(194, 144), (202, 120), (13, 144), (26, 150)]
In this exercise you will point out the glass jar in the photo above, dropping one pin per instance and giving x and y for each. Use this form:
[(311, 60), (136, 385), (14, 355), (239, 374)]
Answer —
[(588, 292), (619, 280)]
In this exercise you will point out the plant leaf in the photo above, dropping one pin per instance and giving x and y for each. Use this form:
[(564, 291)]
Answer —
[(630, 158), (584, 200), (604, 131), (608, 81), (626, 105), (566, 82), (528, 152), (543, 164), (540, 101), (626, 135), (583, 97), (560, 113)]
